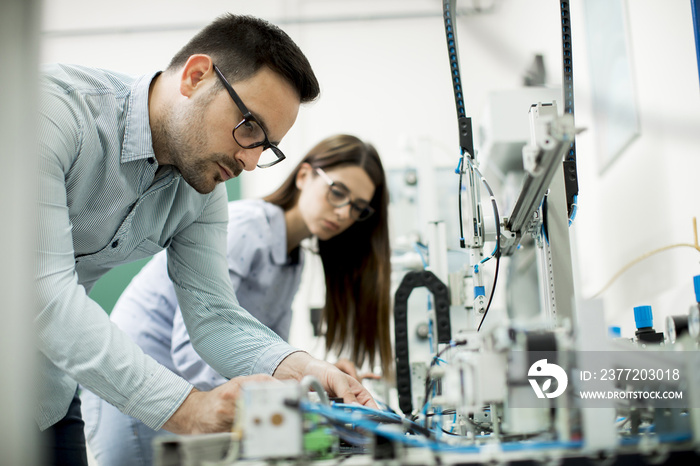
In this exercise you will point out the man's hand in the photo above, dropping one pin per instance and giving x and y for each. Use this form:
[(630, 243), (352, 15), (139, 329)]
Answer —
[(300, 364), (212, 411), (349, 368)]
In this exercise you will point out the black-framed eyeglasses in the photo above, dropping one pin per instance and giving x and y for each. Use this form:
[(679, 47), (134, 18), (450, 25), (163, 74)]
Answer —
[(339, 196), (249, 133)]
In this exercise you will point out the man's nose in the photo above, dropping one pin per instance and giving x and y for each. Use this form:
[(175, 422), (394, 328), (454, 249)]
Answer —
[(249, 157)]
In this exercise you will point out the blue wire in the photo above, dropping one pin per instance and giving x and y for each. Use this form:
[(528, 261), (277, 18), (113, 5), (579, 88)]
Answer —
[(365, 409), (573, 210), (385, 406), (355, 419), (430, 329), (438, 423), (338, 413), (663, 438), (694, 8), (422, 259), (493, 254)]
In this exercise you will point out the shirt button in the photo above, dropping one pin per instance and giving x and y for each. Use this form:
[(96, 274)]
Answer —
[(150, 160), (115, 243)]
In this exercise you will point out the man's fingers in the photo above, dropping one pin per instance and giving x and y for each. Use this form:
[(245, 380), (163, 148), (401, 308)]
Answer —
[(348, 367), (367, 400), (335, 382), (349, 397), (352, 391)]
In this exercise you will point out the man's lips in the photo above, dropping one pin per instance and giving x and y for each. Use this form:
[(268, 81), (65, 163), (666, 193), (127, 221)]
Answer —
[(227, 174)]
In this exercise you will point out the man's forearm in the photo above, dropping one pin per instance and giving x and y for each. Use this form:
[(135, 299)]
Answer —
[(180, 421), (293, 366)]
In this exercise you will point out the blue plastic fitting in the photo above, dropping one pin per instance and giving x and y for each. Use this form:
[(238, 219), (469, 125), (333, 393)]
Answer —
[(479, 291), (614, 332), (696, 284), (643, 317)]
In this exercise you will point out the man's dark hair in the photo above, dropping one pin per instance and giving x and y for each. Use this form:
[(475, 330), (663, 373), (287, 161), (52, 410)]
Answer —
[(241, 45)]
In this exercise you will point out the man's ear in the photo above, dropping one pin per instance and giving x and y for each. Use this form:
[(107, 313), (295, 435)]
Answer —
[(303, 175), (196, 70)]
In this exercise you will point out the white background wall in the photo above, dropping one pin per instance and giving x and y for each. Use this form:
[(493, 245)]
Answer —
[(384, 74)]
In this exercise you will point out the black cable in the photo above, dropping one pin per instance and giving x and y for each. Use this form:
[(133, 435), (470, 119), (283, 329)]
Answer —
[(545, 221), (466, 138), (419, 429), (462, 243), (570, 175), (390, 418), (497, 251), (447, 412), (449, 433), (442, 351), (429, 382), (495, 277)]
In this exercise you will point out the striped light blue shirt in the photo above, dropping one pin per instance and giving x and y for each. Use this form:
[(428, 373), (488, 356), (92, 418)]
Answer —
[(264, 277), (103, 201)]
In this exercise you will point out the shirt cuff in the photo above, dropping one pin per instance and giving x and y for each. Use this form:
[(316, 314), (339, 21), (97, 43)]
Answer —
[(158, 398), (272, 357)]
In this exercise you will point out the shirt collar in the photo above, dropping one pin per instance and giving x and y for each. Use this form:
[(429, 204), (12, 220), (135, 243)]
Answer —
[(138, 143)]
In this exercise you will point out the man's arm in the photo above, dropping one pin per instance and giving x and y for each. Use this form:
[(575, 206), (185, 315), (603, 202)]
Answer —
[(73, 331), (224, 334), (186, 360)]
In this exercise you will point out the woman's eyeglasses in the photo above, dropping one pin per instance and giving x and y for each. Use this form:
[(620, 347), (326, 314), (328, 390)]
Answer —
[(339, 196)]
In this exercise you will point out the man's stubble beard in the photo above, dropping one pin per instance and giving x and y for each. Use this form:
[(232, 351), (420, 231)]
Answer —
[(182, 138)]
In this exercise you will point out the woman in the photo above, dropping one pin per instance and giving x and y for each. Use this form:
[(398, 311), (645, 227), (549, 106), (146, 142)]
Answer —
[(338, 194)]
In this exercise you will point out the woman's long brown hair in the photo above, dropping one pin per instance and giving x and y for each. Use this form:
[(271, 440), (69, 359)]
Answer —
[(356, 263)]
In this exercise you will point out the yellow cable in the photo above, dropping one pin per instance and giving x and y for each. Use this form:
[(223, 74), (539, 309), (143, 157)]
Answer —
[(651, 253)]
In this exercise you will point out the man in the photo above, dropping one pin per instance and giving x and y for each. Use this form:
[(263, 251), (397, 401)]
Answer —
[(129, 167)]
